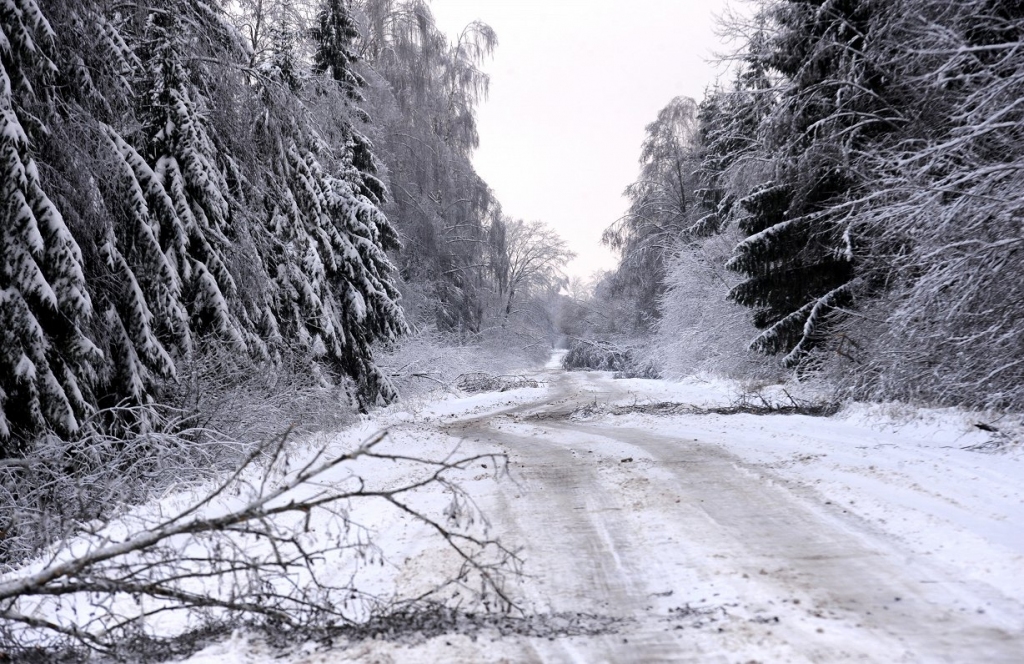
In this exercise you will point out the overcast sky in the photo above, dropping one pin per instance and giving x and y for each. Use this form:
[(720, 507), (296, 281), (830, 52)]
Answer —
[(573, 84)]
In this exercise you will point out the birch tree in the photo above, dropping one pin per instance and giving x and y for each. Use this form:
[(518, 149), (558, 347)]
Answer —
[(425, 99), (661, 201)]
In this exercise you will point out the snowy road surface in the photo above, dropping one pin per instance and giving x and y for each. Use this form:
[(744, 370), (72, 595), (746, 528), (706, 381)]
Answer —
[(734, 538)]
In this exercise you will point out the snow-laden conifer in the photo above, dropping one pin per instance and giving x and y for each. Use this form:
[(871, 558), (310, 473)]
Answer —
[(332, 284), (176, 142), (333, 34), (800, 259), (728, 139), (44, 302)]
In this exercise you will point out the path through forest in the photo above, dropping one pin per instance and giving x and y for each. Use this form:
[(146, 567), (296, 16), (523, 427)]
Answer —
[(660, 544), (704, 556)]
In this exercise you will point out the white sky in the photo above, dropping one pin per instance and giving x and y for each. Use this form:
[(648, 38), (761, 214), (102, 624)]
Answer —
[(573, 84)]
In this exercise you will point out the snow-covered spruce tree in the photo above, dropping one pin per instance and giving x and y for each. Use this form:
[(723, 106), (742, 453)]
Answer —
[(165, 279), (332, 287), (176, 142), (727, 141), (334, 292), (334, 59), (800, 257), (333, 36), (699, 329), (46, 360)]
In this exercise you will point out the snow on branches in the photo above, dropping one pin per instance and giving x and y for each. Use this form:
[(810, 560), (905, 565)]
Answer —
[(44, 300), (164, 148)]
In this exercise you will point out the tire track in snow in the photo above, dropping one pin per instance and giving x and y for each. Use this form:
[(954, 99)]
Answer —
[(907, 608), (838, 588)]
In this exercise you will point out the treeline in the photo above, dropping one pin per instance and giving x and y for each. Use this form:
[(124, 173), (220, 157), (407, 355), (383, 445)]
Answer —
[(849, 205), (250, 186)]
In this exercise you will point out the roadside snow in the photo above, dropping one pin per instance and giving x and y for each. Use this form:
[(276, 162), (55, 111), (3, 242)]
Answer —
[(900, 473), (906, 471), (607, 530)]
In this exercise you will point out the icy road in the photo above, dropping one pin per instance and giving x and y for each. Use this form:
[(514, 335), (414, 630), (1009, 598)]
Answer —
[(865, 537)]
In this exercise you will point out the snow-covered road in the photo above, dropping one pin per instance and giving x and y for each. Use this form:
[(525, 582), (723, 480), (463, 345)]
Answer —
[(734, 538)]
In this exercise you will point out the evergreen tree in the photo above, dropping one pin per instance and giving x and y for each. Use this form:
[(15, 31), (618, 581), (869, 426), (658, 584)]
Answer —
[(176, 142), (46, 360), (799, 258), (168, 250), (334, 290), (333, 37), (728, 141), (146, 316), (332, 283)]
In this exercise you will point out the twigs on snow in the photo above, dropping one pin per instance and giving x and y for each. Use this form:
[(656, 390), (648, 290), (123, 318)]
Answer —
[(746, 405), (485, 382), (264, 546)]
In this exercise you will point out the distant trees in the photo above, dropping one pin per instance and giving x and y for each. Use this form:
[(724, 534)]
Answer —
[(533, 261)]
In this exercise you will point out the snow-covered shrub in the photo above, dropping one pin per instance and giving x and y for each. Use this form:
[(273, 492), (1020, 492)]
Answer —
[(425, 361), (700, 330), (125, 454), (593, 355), (221, 390), (48, 494), (429, 360)]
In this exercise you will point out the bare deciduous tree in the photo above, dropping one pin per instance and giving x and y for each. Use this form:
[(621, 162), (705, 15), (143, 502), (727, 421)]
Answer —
[(536, 257)]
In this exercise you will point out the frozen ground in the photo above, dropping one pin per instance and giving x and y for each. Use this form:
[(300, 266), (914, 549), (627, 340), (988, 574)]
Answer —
[(868, 536), (872, 535)]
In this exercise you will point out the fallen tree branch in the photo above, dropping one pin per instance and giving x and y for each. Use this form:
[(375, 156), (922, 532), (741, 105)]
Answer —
[(252, 548)]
